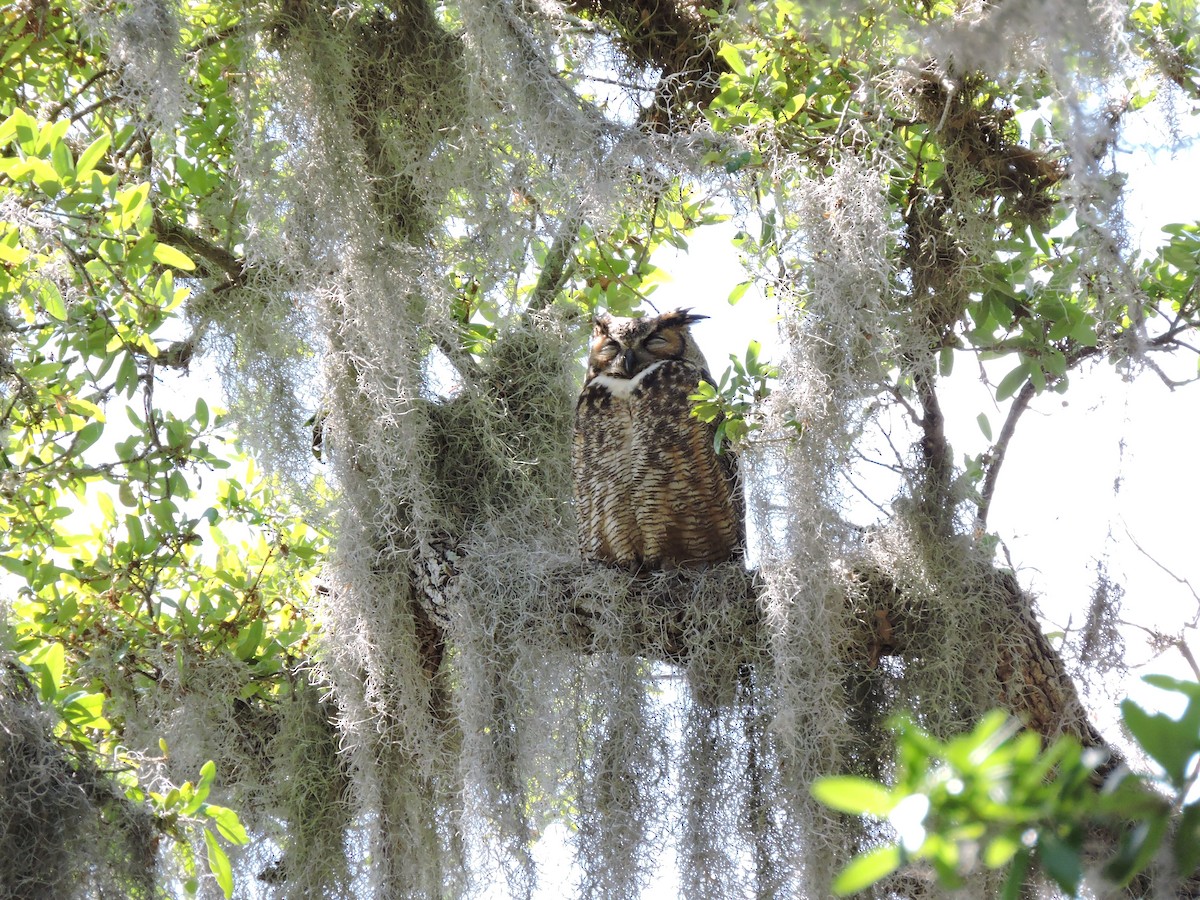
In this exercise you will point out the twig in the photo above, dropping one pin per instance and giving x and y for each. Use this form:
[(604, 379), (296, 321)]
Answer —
[(894, 469), (1186, 652), (850, 481), (908, 407), (999, 449), (1166, 379), (1145, 553), (56, 110), (92, 107)]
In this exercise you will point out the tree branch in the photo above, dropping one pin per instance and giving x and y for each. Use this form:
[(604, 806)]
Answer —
[(56, 110), (938, 466), (1179, 578), (555, 272), (232, 265), (999, 450)]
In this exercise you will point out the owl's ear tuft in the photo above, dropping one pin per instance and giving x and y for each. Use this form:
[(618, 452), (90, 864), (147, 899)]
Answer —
[(601, 323), (683, 316)]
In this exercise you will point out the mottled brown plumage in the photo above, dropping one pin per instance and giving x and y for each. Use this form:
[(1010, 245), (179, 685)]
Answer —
[(650, 490)]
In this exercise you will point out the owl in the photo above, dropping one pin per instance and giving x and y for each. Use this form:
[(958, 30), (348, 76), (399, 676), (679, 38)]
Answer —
[(650, 489)]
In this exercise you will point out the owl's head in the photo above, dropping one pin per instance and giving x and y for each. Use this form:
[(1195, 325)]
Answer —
[(623, 347)]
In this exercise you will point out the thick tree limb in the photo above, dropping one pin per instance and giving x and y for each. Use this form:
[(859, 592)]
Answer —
[(669, 617)]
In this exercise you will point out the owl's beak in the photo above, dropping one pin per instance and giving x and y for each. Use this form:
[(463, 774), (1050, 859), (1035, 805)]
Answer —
[(628, 362)]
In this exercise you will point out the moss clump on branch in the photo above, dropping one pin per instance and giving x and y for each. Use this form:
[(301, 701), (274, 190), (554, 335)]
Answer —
[(65, 830)]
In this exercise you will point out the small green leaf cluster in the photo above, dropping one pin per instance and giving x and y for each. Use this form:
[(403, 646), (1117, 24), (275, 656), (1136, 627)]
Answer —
[(1030, 303), (614, 271), (1168, 31), (188, 805), (1174, 745), (786, 75), (808, 92), (732, 403), (994, 797)]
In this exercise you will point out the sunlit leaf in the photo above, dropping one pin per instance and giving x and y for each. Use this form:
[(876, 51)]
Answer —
[(227, 824), (169, 256), (218, 864), (852, 794), (92, 155), (733, 58), (52, 301), (866, 869), (51, 662)]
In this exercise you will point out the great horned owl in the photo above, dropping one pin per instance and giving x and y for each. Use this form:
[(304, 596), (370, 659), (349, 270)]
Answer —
[(650, 490)]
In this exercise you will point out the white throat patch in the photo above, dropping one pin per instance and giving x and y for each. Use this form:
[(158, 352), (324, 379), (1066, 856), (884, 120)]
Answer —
[(623, 387)]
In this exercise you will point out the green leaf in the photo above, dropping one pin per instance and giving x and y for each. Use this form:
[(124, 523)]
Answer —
[(227, 823), (88, 435), (1013, 381), (1015, 883), (50, 661), (130, 202), (25, 127), (866, 869), (60, 155), (733, 59), (127, 373), (735, 163), (1163, 738), (208, 772), (218, 864), (84, 710), (52, 301), (10, 250), (1187, 841), (984, 425), (1135, 851), (1060, 860), (8, 127), (1084, 331), (1001, 850), (251, 637), (19, 567), (1037, 375), (1190, 689), (169, 256), (852, 794), (89, 157)]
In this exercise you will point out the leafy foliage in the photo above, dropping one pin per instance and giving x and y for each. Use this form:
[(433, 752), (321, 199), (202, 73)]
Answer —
[(134, 529), (732, 402), (994, 797)]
